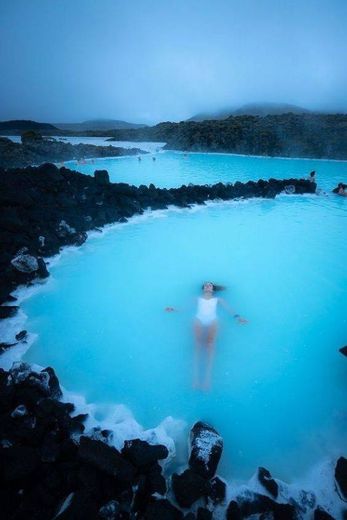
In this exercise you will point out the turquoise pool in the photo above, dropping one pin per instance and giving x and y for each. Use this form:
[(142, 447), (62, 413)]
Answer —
[(171, 169), (279, 384)]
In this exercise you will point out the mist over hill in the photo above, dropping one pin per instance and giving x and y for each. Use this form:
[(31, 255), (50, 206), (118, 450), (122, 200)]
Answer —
[(98, 124), (253, 109)]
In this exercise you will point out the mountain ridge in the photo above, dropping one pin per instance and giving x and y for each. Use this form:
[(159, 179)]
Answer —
[(23, 125), (98, 125), (252, 109), (18, 126)]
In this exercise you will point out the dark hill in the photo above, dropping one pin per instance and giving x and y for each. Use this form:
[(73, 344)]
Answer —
[(286, 135), (253, 109), (97, 124), (266, 109), (18, 126)]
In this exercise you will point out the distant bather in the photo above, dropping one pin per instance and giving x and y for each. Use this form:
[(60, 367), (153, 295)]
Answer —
[(341, 189)]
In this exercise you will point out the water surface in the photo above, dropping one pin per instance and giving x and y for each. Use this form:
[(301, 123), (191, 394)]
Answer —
[(172, 169), (279, 383)]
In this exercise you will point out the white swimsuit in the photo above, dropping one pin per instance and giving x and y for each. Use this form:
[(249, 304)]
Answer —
[(207, 308)]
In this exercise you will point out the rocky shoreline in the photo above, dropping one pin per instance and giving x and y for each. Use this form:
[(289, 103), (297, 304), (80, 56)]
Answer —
[(36, 149), (314, 136), (51, 465), (45, 208)]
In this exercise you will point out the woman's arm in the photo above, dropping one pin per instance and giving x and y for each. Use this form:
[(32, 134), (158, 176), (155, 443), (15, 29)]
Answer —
[(177, 309), (231, 311)]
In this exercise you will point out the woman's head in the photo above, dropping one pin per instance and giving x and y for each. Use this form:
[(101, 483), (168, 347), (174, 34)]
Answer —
[(208, 287), (212, 287)]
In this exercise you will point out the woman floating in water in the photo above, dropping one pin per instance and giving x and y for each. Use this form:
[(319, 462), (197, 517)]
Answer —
[(205, 330)]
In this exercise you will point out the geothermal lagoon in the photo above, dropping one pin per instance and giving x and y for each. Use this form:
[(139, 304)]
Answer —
[(278, 395)]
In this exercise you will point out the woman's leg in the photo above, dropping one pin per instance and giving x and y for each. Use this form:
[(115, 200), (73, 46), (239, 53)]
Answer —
[(211, 338), (197, 352)]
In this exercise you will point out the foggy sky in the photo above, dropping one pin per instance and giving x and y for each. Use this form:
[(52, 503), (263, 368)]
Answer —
[(156, 60)]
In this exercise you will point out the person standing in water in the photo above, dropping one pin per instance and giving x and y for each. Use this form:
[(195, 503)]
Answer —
[(312, 176), (205, 330)]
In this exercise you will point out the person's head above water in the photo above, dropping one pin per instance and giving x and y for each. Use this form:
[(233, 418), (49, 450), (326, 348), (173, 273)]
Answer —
[(208, 287), (212, 287)]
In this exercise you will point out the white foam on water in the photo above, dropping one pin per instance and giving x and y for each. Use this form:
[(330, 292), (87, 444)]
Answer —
[(316, 488), (120, 421)]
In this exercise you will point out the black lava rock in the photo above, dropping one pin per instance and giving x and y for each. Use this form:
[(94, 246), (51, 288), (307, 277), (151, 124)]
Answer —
[(106, 459), (321, 514), (53, 383), (81, 507), (341, 475), (148, 485), (265, 478), (109, 511), (101, 177), (8, 311), (162, 510), (188, 487), (22, 335), (19, 462), (38, 150), (206, 449), (142, 454), (6, 346), (234, 511), (217, 490), (203, 514), (42, 270), (255, 503)]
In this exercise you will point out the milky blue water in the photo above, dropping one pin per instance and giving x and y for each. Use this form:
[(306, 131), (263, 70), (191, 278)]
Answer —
[(279, 385), (171, 169)]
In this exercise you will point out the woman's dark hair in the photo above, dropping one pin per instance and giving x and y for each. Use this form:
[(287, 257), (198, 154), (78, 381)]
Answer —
[(216, 287), (340, 185), (313, 173)]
